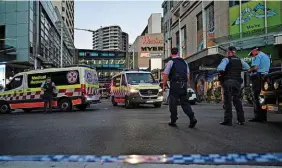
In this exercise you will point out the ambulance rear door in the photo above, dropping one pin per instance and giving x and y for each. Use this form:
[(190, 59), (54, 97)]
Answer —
[(91, 84)]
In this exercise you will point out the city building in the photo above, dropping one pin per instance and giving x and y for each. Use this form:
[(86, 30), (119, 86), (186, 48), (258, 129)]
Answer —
[(202, 30), (167, 21), (110, 38), (147, 50), (31, 32), (125, 45), (66, 9), (107, 63)]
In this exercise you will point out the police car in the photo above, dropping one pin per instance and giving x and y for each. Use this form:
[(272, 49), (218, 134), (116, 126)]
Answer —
[(77, 86), (135, 87)]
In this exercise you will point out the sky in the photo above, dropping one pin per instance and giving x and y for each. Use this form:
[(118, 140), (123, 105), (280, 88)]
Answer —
[(131, 16)]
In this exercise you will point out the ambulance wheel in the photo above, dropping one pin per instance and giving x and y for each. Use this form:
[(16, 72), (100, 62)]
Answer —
[(158, 105), (4, 108), (82, 107), (65, 105), (113, 101), (128, 104)]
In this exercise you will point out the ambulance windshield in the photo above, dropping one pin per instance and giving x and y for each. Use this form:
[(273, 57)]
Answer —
[(138, 78)]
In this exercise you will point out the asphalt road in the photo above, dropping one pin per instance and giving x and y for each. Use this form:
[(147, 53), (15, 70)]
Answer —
[(108, 130)]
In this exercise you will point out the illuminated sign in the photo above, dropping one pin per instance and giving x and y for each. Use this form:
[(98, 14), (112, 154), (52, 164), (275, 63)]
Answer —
[(100, 54)]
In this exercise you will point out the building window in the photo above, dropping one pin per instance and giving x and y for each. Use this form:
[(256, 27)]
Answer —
[(186, 3), (234, 3), (184, 41), (171, 4), (210, 18), (199, 21), (177, 39)]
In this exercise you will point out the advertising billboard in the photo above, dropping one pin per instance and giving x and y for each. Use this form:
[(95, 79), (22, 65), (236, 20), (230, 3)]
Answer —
[(253, 17), (152, 45)]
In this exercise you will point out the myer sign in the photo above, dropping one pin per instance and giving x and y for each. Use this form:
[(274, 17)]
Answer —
[(153, 44)]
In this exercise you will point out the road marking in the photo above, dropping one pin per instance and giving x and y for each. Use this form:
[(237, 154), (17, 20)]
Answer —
[(172, 159)]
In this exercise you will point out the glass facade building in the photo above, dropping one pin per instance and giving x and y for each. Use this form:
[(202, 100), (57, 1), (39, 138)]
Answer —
[(107, 63), (33, 29)]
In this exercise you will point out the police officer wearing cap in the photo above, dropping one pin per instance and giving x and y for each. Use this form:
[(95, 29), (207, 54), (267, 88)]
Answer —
[(177, 71), (231, 68), (259, 68)]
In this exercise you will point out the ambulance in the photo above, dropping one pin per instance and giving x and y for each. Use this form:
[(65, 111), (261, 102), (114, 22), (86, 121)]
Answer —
[(135, 87), (76, 86)]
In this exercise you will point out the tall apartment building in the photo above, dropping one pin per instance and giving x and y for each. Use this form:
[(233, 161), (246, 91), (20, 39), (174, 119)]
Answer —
[(66, 9), (125, 42), (110, 38)]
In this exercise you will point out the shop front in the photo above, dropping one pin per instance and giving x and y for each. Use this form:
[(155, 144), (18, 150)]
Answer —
[(203, 68)]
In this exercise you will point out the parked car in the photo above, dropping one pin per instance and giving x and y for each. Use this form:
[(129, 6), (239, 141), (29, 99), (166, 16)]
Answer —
[(191, 93)]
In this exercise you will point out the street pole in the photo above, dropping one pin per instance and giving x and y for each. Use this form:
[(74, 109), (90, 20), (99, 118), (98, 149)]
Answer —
[(265, 16), (133, 60), (240, 10), (61, 42)]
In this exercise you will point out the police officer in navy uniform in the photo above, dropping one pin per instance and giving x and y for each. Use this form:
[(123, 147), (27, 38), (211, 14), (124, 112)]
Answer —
[(177, 71), (259, 68), (48, 87), (231, 68)]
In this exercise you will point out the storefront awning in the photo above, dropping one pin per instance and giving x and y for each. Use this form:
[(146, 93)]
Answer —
[(209, 57)]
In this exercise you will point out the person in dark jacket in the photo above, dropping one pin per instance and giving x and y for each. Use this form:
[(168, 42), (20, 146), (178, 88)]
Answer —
[(48, 87), (177, 71), (231, 68)]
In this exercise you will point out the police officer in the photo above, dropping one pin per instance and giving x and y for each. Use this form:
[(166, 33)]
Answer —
[(48, 87), (259, 68), (231, 80), (177, 71)]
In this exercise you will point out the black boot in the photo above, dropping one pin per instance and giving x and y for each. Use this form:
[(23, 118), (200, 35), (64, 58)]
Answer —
[(172, 124), (193, 122), (226, 123)]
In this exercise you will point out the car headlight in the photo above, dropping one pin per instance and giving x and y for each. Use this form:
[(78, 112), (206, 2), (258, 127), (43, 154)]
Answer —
[(160, 90), (276, 85), (265, 85), (132, 90)]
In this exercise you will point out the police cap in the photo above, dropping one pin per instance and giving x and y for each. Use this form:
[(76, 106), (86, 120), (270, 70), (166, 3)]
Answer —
[(253, 49), (174, 51)]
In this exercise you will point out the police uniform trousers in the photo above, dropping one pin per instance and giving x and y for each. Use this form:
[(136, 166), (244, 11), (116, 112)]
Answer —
[(259, 113), (48, 101), (178, 94), (232, 89)]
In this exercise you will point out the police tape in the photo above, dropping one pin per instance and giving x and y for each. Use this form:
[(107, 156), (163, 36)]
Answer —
[(169, 159)]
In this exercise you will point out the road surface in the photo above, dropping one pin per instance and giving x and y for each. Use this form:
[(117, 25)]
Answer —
[(108, 130)]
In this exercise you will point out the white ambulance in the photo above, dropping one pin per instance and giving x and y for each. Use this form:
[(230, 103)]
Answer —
[(75, 86)]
